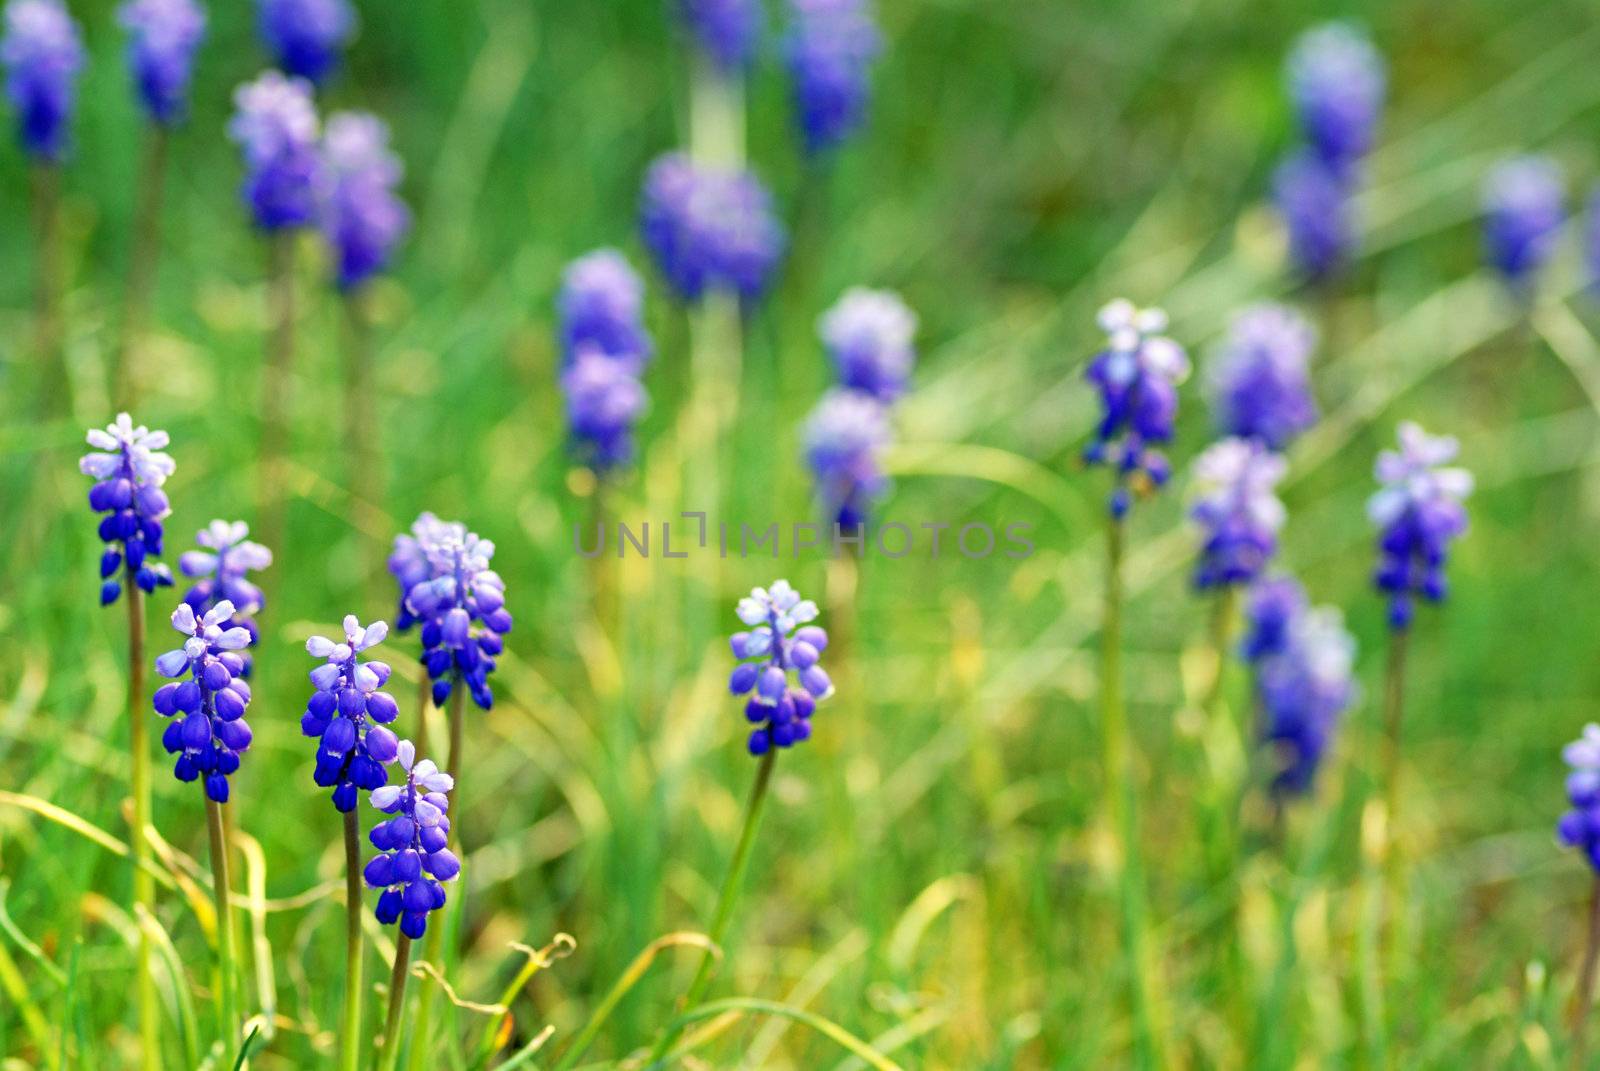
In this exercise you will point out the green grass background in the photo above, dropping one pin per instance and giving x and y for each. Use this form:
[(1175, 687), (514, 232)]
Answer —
[(932, 873)]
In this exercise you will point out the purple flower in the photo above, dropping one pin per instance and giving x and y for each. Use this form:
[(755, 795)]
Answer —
[(604, 401), (222, 571), (415, 860), (709, 229), (348, 713), (363, 218), (1238, 511), (780, 646), (1591, 238), (1137, 375), (129, 468), (830, 48), (275, 125), (1274, 604), (844, 441), (1314, 203), (207, 730), (163, 36), (1522, 216), (727, 30), (1418, 513), (1337, 82), (42, 53), (601, 307), (461, 605), (306, 36), (1259, 382), (869, 334), (1304, 690), (1580, 826), (410, 562)]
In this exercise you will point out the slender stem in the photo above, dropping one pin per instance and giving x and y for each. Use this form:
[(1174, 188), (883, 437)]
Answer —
[(144, 889), (1583, 999), (424, 697), (389, 1047), (275, 388), (53, 379), (228, 997), (726, 900), (350, 1048), (146, 253), (1388, 906), (602, 570), (360, 423), (1394, 696)]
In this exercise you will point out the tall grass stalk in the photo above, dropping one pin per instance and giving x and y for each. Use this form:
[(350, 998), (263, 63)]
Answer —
[(227, 958), (1394, 697), (389, 1047), (1223, 808), (139, 293), (350, 1048), (275, 387), (52, 379), (144, 889), (732, 884)]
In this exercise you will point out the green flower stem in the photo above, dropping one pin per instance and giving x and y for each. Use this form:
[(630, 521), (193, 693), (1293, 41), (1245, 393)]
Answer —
[(1583, 999), (361, 426), (144, 886), (389, 1047), (726, 900), (227, 974), (275, 387), (350, 1048), (140, 292), (53, 381)]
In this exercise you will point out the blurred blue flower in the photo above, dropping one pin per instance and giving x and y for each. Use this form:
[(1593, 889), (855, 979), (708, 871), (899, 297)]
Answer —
[(1238, 511), (42, 53), (1337, 82), (1304, 690), (1259, 381), (410, 561), (1313, 201), (306, 36), (779, 644), (348, 713), (461, 604), (601, 307), (709, 229), (415, 860), (163, 36), (1580, 826), (604, 402), (1274, 603), (1418, 512), (207, 731), (129, 468), (844, 440), (726, 30), (830, 47), (275, 125), (1522, 216), (1591, 238), (222, 571), (363, 218), (869, 334), (1137, 375)]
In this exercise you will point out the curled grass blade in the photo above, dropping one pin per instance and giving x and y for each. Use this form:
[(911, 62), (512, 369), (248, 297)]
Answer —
[(826, 1027), (536, 959)]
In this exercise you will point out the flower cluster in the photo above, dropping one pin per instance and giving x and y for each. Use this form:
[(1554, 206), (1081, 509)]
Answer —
[(779, 643), (275, 125), (1314, 203), (306, 35), (1418, 512), (604, 402), (844, 441), (830, 47), (211, 734), (869, 335), (460, 602), (414, 860), (1259, 382), (363, 218), (409, 563), (709, 229), (348, 712), (129, 467), (222, 572), (163, 36), (42, 53), (604, 349), (726, 30), (1137, 375), (1237, 510), (1580, 826), (1522, 216), (1304, 662)]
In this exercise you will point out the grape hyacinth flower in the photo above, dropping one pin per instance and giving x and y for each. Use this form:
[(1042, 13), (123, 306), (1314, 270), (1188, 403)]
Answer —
[(1237, 510), (830, 48), (844, 441), (727, 31), (869, 334), (1418, 512), (1304, 689), (709, 229), (464, 617), (1314, 203), (1259, 382), (211, 732), (1337, 82), (780, 643), (275, 126), (222, 571), (306, 36), (1137, 375), (601, 308), (1274, 604), (410, 562), (363, 218), (1522, 216), (43, 53), (1591, 239), (163, 36), (129, 467), (1579, 827), (348, 713), (415, 860), (604, 402)]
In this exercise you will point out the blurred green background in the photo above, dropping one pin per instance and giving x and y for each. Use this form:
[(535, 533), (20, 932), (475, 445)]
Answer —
[(933, 872)]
